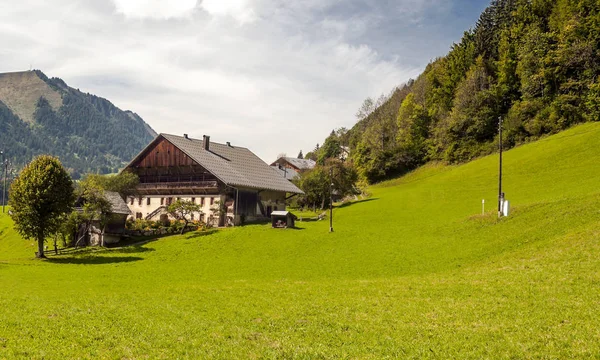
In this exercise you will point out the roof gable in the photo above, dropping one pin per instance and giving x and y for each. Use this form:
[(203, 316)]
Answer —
[(118, 205), (287, 173), (233, 165), (301, 164)]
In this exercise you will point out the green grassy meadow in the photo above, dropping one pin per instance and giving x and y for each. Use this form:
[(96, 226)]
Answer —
[(415, 271)]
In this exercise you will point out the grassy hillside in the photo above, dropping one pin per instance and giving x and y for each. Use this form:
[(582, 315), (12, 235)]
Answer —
[(414, 271), (20, 91)]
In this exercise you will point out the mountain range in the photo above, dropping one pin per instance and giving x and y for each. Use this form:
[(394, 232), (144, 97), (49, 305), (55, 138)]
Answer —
[(41, 115)]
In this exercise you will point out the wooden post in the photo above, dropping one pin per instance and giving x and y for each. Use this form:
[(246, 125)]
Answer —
[(500, 194), (331, 199)]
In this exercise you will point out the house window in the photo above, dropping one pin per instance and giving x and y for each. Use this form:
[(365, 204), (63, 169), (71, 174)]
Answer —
[(201, 201), (169, 200), (138, 215), (192, 216), (193, 200), (148, 201), (178, 198), (202, 217), (162, 201), (140, 201), (131, 201), (212, 200)]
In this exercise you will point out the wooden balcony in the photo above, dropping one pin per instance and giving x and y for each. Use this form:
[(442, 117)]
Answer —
[(178, 188)]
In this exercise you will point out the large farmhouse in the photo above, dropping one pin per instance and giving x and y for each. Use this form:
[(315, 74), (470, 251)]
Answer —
[(229, 182)]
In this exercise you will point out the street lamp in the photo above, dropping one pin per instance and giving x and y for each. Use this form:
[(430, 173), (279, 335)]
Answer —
[(500, 193)]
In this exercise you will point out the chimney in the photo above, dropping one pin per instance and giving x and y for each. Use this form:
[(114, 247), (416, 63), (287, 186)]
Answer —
[(185, 136), (206, 142), (228, 144)]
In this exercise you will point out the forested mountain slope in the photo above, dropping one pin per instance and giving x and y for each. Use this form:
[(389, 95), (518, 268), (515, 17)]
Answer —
[(534, 63), (88, 133)]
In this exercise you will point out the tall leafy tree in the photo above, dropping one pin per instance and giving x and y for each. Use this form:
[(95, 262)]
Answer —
[(413, 131), (40, 195), (124, 183), (94, 207), (316, 182), (331, 148)]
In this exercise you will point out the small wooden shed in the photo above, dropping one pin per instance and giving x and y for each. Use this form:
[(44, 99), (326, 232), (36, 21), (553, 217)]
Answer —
[(282, 219)]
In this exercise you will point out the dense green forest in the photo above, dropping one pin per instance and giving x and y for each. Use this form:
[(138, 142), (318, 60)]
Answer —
[(87, 133), (533, 63)]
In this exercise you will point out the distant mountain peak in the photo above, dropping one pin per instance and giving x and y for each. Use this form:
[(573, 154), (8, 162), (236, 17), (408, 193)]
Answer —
[(88, 133)]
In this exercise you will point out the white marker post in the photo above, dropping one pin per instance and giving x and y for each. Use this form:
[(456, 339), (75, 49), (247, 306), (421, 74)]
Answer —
[(483, 207), (505, 208)]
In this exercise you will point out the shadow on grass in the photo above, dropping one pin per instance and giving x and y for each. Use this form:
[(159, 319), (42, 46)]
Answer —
[(197, 234), (355, 202), (131, 249), (95, 260)]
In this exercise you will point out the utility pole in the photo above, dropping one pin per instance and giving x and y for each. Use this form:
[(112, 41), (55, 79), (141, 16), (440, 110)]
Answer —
[(331, 199), (500, 193), (5, 164)]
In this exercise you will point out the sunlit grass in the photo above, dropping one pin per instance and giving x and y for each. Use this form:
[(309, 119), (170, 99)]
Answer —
[(414, 271)]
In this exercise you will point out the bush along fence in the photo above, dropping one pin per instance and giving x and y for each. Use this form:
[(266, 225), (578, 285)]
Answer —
[(141, 227)]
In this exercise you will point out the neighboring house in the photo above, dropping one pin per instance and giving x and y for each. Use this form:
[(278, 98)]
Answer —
[(289, 174), (210, 174), (113, 230), (298, 165), (344, 153)]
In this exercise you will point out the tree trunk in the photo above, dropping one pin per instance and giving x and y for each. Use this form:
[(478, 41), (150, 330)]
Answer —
[(85, 232), (40, 253), (183, 228)]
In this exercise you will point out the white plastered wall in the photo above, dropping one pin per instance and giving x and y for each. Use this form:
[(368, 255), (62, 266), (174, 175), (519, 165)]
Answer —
[(146, 205)]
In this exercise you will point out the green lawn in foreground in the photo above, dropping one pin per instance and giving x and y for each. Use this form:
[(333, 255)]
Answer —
[(414, 271)]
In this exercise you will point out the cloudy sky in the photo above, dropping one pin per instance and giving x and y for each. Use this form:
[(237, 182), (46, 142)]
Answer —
[(272, 75)]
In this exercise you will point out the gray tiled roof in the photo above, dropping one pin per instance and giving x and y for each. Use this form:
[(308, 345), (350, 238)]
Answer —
[(287, 173), (117, 204), (233, 165), (302, 164)]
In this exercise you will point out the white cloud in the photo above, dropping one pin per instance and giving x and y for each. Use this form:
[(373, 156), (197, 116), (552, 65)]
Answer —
[(237, 9), (272, 75), (156, 9)]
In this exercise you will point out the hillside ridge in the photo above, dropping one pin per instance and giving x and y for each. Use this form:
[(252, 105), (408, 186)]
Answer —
[(532, 66), (21, 90), (42, 115)]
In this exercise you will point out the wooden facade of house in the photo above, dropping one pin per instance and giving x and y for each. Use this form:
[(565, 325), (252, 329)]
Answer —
[(166, 170)]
